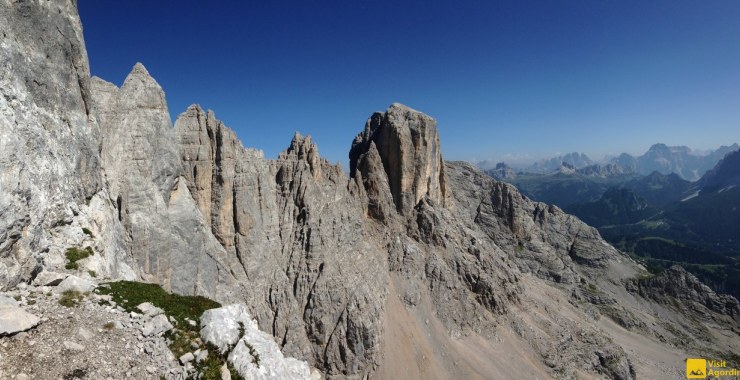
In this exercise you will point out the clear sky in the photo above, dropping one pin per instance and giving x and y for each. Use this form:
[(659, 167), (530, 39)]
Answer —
[(518, 78)]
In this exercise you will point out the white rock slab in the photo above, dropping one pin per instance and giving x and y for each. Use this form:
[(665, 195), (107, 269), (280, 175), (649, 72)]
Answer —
[(76, 284), (13, 319), (256, 354)]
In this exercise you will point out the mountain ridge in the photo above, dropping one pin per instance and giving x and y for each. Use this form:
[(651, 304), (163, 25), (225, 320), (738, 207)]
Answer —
[(660, 157), (410, 266)]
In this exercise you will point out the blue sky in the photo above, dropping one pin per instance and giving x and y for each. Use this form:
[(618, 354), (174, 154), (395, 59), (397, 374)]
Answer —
[(503, 79)]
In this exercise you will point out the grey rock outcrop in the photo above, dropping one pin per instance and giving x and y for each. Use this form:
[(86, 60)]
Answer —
[(149, 310), (49, 278), (316, 277), (166, 236), (408, 145), (4, 300), (49, 137), (501, 171), (14, 319), (410, 266), (676, 284), (253, 353)]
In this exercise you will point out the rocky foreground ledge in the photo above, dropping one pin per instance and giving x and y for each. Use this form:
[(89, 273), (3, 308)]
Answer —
[(66, 327)]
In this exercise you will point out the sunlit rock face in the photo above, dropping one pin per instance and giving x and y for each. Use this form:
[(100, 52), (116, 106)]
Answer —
[(48, 136), (409, 267), (408, 145)]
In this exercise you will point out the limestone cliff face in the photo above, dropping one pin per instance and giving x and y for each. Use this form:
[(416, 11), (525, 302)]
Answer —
[(408, 145), (166, 237), (410, 267), (48, 138), (316, 278)]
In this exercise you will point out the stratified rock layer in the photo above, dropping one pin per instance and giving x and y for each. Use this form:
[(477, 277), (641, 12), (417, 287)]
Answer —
[(675, 283)]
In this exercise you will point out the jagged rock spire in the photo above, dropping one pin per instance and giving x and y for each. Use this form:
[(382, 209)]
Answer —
[(408, 145)]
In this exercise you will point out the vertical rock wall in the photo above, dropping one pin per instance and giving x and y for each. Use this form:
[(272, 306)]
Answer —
[(408, 145), (168, 239), (48, 137)]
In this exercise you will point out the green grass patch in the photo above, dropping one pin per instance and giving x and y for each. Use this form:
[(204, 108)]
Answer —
[(71, 298), (129, 294), (109, 326), (180, 341), (519, 247), (210, 368), (92, 273), (255, 355), (75, 254), (87, 232), (31, 302)]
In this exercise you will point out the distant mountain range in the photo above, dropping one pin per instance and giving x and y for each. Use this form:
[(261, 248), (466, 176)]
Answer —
[(575, 160), (667, 220), (667, 206), (681, 160), (566, 185), (673, 159)]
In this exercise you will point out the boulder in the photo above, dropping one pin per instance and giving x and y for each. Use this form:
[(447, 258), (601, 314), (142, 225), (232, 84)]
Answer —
[(156, 325), (221, 326), (256, 355), (5, 300), (49, 278), (74, 283), (187, 358), (13, 320), (149, 310)]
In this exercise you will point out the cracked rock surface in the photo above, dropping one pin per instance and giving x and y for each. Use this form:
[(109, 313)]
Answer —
[(407, 267)]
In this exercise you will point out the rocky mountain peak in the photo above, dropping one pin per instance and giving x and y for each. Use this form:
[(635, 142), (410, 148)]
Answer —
[(303, 149), (408, 145), (142, 91), (502, 171), (468, 278), (724, 175)]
